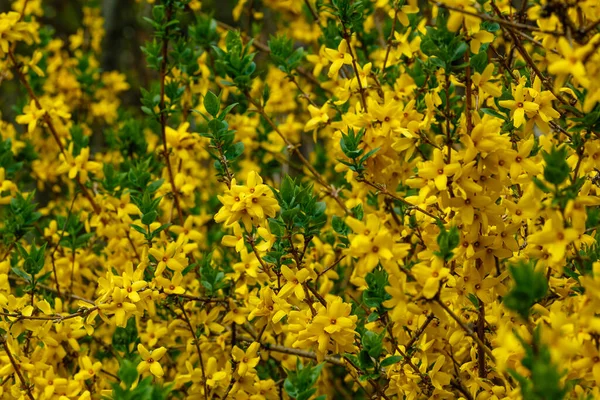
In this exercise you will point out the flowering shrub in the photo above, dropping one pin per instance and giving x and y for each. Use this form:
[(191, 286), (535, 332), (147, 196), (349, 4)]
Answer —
[(334, 198)]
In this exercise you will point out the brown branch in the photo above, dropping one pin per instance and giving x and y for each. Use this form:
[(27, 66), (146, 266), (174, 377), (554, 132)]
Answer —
[(545, 80), (469, 100), (303, 93), (312, 11), (15, 366), (391, 37), (447, 116), (7, 252), (49, 289), (385, 192), (264, 265), (481, 336), (501, 21), (361, 89), (50, 126), (62, 234), (332, 191), (335, 263), (420, 331), (197, 344), (316, 294), (467, 330), (132, 245), (56, 317), (301, 353), (197, 298), (164, 116)]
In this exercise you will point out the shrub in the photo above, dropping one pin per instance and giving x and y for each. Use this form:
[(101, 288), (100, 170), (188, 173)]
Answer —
[(332, 198)]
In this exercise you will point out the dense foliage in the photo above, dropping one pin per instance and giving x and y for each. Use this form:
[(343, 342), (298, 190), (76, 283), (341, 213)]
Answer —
[(331, 199)]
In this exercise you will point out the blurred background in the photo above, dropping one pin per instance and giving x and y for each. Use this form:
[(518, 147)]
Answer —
[(126, 31)]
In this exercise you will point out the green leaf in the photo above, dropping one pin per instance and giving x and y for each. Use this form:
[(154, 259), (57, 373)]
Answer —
[(21, 273), (149, 218), (373, 343), (127, 372), (139, 229), (212, 104), (530, 286), (493, 113), (124, 337), (299, 384), (556, 170), (391, 361), (479, 61)]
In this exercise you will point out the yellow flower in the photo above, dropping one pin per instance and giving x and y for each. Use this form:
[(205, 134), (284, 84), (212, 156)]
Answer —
[(13, 30), (482, 81), (294, 282), (269, 306), (402, 13), (457, 18), (172, 256), (51, 382), (478, 38), (555, 237), (31, 117), (236, 240), (78, 165), (213, 375), (519, 106), (338, 58), (119, 307), (150, 360), (438, 170), (246, 360), (35, 59), (317, 117), (250, 203), (332, 329), (153, 333), (572, 62), (429, 275), (171, 286), (236, 314), (319, 60), (371, 243), (88, 370)]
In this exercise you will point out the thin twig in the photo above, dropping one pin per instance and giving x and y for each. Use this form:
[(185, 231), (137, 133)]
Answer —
[(500, 21), (51, 127), (312, 11), (545, 80), (361, 89), (164, 117), (15, 365), (467, 330), (332, 191), (385, 192), (391, 37), (62, 234), (197, 344)]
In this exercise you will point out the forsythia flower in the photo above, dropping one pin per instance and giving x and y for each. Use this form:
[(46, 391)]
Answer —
[(150, 360), (246, 361), (78, 165), (338, 58), (250, 203), (332, 329), (519, 106)]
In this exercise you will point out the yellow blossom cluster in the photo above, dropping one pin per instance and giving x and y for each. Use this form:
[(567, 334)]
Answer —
[(391, 199)]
